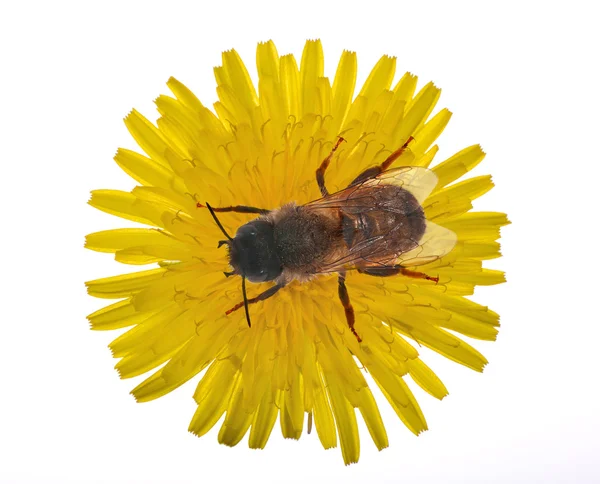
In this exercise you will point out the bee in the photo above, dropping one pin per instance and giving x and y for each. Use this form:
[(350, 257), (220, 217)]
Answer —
[(376, 226)]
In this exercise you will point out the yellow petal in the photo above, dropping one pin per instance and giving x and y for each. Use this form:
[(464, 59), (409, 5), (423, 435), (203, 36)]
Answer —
[(426, 379), (343, 86), (121, 204), (215, 398), (417, 112), (380, 77), (117, 239), (459, 164), (263, 422), (239, 79), (237, 421), (115, 316), (267, 60), (345, 421), (372, 418), (147, 136), (125, 285), (290, 84), (311, 69)]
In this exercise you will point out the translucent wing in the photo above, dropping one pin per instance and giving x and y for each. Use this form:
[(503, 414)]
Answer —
[(420, 182), (379, 215), (435, 243)]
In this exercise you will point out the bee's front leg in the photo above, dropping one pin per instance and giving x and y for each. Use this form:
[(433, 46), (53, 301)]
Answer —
[(236, 208)]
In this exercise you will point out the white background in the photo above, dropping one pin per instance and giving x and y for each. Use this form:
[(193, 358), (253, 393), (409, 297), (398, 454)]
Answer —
[(522, 79)]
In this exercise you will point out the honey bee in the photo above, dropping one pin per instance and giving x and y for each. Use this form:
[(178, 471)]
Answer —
[(375, 226)]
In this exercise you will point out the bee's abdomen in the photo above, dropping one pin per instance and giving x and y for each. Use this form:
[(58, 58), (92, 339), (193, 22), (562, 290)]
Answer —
[(395, 214)]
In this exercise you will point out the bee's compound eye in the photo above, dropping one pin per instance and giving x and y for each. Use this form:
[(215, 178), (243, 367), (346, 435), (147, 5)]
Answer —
[(247, 231)]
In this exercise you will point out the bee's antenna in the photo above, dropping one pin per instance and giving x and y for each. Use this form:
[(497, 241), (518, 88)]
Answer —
[(212, 212), (246, 301)]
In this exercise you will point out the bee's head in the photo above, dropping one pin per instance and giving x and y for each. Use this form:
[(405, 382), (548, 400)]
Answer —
[(252, 252)]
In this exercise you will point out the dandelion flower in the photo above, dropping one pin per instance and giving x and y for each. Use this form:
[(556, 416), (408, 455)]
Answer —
[(260, 147)]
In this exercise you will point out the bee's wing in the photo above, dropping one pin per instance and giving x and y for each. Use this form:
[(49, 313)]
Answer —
[(435, 243), (420, 182)]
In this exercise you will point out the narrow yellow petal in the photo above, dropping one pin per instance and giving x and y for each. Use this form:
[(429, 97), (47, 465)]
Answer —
[(426, 379), (459, 164), (156, 253), (225, 116), (124, 285), (417, 112), (267, 60), (430, 131), (471, 189), (121, 204), (324, 96), (380, 77), (311, 69), (205, 116), (372, 418), (345, 421), (481, 250), (406, 407), (147, 136), (115, 316), (472, 327), (478, 225), (263, 423), (231, 101), (290, 84), (185, 96), (405, 88), (143, 169), (216, 398), (142, 335), (323, 416), (447, 345), (237, 421), (239, 79), (117, 239), (343, 86), (293, 407), (187, 362), (176, 332)]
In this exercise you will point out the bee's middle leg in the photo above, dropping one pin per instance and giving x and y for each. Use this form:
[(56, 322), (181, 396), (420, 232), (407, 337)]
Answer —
[(348, 309), (376, 170)]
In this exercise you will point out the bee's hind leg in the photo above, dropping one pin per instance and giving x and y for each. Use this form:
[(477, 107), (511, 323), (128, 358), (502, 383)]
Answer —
[(345, 299), (386, 271)]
